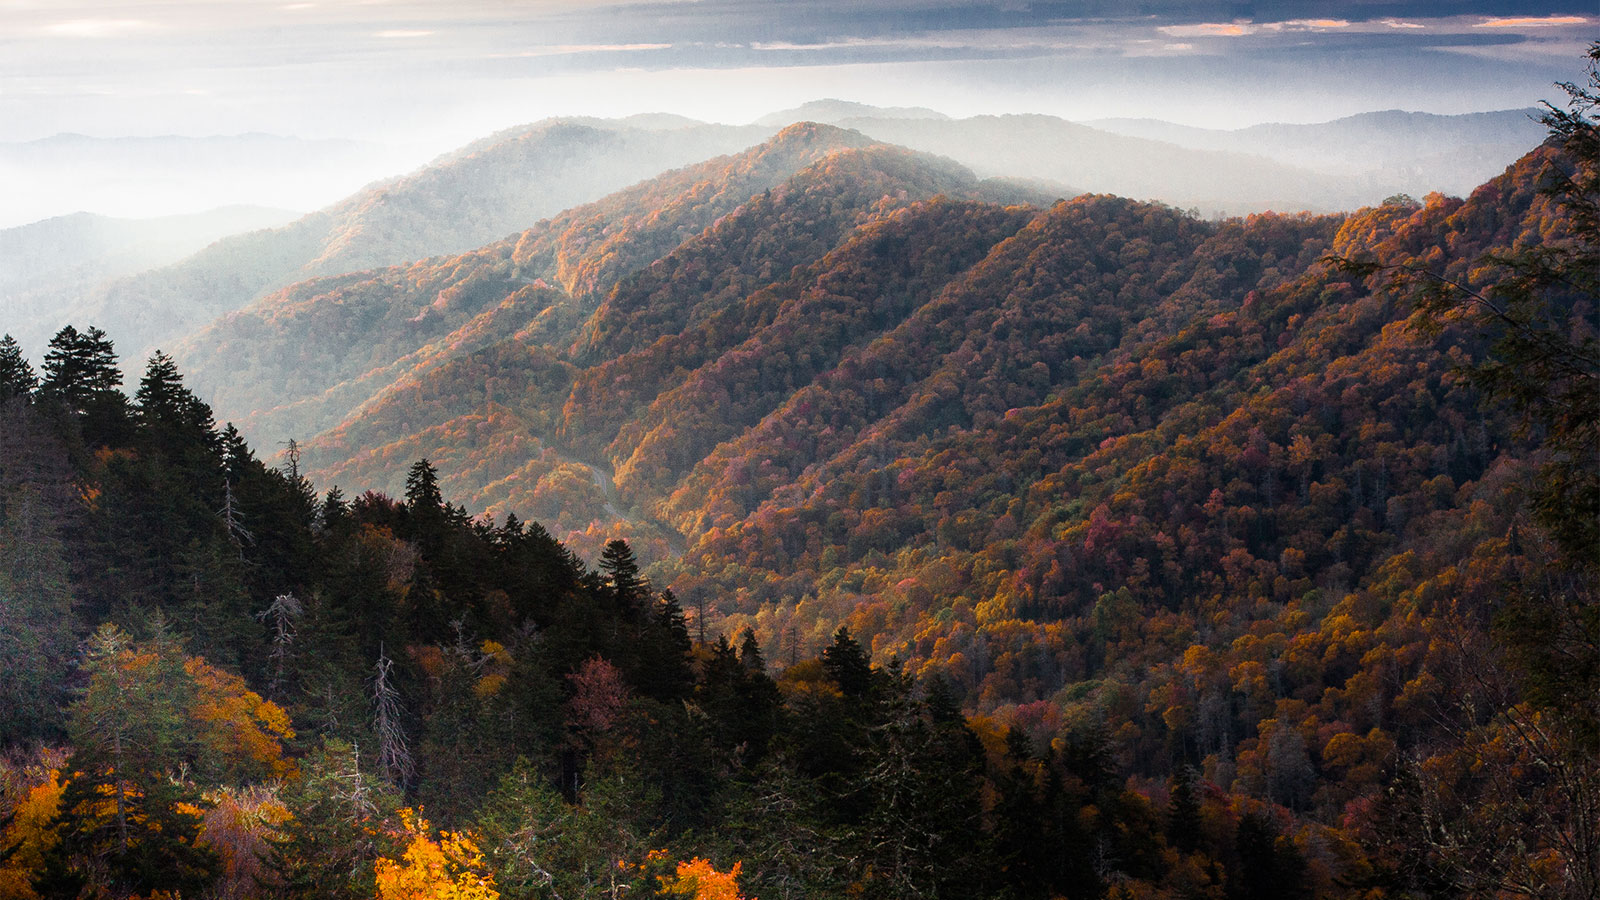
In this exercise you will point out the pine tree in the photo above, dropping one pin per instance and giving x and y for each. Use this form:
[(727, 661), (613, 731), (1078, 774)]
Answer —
[(80, 367), (170, 413), (750, 653), (422, 489), (36, 617), (847, 665), (80, 381), (665, 673), (621, 570), (1183, 810), (16, 375), (124, 827)]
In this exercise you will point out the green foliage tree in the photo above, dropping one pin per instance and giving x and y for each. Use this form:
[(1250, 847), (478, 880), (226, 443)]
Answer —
[(80, 381), (336, 829), (127, 828)]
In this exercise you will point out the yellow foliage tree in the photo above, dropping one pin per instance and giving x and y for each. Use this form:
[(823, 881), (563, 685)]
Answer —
[(34, 831), (699, 880), (449, 868), (237, 729)]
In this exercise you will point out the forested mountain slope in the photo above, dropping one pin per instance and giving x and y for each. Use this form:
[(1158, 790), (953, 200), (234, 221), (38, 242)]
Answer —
[(577, 285), (955, 425), (1097, 462), (466, 199)]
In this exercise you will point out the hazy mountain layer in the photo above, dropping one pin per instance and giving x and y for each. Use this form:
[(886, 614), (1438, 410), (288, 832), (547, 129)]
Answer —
[(1414, 152), (145, 177), (48, 266), (295, 363), (464, 201), (504, 183), (1232, 181), (834, 112)]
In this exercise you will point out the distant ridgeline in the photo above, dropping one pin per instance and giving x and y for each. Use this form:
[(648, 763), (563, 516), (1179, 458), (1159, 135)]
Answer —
[(1029, 549)]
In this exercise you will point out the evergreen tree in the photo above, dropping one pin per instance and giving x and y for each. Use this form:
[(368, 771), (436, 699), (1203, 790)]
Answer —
[(37, 621), (750, 653), (422, 488), (81, 379), (1020, 843), (1270, 866), (79, 368), (621, 569), (664, 670), (847, 665), (16, 375), (173, 418), (125, 829)]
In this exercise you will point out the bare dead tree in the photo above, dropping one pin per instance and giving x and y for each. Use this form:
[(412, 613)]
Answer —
[(281, 616), (232, 521), (394, 757)]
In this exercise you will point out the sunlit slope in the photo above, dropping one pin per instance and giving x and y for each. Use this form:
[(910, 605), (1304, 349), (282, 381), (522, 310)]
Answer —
[(272, 366)]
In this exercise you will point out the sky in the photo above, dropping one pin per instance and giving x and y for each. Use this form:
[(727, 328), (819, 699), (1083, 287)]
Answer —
[(428, 76), (405, 70)]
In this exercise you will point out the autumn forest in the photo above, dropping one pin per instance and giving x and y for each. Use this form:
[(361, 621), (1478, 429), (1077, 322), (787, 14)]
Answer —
[(822, 520)]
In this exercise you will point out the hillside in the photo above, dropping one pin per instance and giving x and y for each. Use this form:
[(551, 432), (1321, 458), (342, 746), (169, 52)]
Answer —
[(465, 200), (569, 267), (1095, 464)]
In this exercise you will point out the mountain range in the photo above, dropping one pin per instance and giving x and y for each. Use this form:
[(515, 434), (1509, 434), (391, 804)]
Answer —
[(508, 181), (828, 380), (1452, 154), (1099, 547)]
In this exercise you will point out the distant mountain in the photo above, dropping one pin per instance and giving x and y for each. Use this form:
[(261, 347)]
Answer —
[(467, 199), (1337, 165), (49, 265), (140, 177), (1232, 181), (1418, 151), (833, 112)]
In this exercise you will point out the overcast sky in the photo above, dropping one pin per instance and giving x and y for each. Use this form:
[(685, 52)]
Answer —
[(443, 72)]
